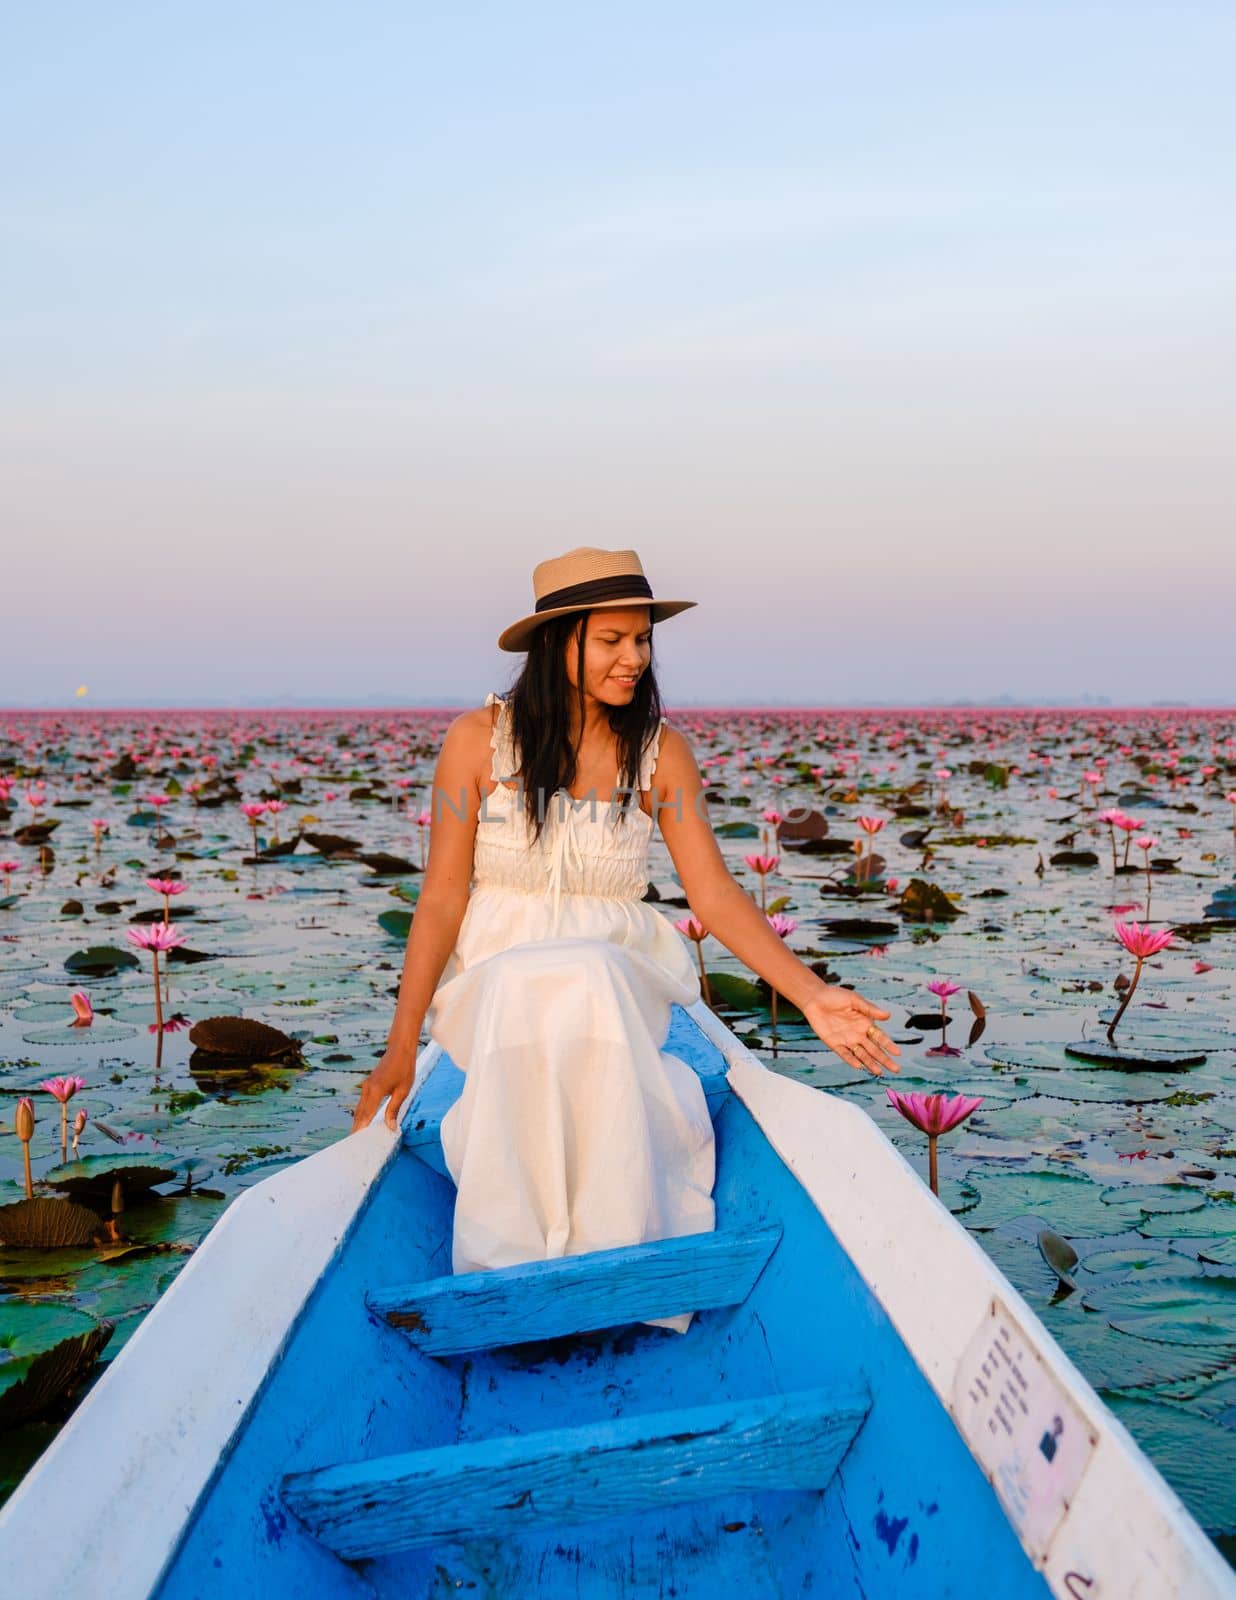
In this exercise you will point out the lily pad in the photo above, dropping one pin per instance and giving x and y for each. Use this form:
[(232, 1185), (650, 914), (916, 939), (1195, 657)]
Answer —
[(44, 1223), (1188, 1310), (398, 924), (100, 961), (48, 1349), (92, 1177), (1186, 1448), (1130, 1057)]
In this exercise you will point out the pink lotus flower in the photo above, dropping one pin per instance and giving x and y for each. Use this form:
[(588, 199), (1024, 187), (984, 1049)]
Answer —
[(156, 936), (933, 1114), (943, 987), (764, 865), (83, 1008), (771, 814), (871, 824), (695, 930), (172, 1024), (1141, 941), (166, 885), (891, 884), (64, 1089), (1202, 966), (782, 925)]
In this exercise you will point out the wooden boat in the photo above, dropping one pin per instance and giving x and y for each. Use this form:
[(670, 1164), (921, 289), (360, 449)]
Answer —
[(863, 1405)]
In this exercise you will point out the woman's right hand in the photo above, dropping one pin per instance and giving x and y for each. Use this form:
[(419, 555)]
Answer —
[(392, 1076)]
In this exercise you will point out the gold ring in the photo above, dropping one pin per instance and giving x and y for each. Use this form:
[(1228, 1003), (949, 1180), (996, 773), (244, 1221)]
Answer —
[(871, 1031)]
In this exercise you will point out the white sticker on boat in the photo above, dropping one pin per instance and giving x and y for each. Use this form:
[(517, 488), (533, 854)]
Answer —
[(1022, 1425)]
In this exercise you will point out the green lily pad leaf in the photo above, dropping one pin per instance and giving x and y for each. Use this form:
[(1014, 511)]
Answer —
[(737, 830), (1144, 1261), (1067, 1202), (1131, 1056), (1112, 1360), (396, 923), (92, 1177), (1059, 1255), (738, 994), (1185, 1448), (1188, 1310), (926, 902), (47, 1350), (100, 960), (1215, 1219), (1165, 1197), (44, 1223)]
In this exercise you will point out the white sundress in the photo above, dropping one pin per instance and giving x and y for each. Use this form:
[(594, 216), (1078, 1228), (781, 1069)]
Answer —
[(575, 1129)]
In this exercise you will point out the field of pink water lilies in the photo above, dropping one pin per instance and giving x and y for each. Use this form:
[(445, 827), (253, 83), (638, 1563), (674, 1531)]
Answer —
[(202, 924)]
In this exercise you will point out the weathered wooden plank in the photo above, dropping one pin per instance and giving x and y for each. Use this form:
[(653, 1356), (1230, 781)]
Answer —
[(499, 1487), (421, 1129), (577, 1293)]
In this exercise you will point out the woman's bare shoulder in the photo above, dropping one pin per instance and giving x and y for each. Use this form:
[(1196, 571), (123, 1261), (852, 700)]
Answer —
[(675, 755), (467, 739)]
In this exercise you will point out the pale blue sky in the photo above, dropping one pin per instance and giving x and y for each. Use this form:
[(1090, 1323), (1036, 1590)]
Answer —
[(901, 337)]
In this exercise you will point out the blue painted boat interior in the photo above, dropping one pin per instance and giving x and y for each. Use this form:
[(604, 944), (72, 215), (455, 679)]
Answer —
[(907, 1512)]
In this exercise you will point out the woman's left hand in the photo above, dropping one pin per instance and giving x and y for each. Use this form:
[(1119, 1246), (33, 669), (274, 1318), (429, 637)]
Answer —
[(844, 1020)]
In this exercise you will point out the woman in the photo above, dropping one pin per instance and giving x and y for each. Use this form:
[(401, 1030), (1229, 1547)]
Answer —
[(550, 982)]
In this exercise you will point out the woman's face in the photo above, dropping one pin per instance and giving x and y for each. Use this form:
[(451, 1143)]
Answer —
[(617, 650)]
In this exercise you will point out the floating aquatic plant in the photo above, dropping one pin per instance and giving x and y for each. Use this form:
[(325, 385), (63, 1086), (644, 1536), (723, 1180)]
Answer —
[(943, 988), (23, 1125), (64, 1089), (695, 930), (154, 937), (870, 826), (763, 865), (1141, 941), (253, 809), (166, 887), (933, 1114)]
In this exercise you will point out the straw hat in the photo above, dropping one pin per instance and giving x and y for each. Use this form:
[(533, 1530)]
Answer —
[(582, 580)]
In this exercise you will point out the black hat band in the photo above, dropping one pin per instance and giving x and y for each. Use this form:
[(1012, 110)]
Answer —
[(584, 594)]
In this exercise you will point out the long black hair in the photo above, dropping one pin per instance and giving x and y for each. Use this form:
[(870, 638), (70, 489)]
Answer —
[(539, 702)]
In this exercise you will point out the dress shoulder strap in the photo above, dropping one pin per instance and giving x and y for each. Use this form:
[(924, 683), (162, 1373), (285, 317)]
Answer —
[(504, 764), (648, 763)]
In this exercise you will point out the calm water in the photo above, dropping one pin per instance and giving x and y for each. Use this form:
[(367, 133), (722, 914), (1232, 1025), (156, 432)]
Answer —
[(1137, 1168)]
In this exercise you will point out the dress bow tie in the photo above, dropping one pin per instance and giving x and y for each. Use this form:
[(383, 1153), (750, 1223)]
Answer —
[(565, 841)]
